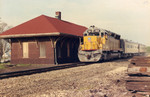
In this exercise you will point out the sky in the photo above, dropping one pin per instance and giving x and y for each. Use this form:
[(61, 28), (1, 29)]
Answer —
[(129, 18)]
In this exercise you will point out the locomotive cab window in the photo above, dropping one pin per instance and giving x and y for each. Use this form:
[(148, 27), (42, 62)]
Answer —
[(102, 34), (96, 33), (89, 31), (85, 34), (81, 41), (91, 34)]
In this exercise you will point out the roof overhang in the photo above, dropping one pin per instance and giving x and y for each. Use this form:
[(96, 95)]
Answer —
[(35, 35)]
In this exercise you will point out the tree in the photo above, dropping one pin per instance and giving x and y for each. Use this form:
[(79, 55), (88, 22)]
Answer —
[(148, 49), (4, 43)]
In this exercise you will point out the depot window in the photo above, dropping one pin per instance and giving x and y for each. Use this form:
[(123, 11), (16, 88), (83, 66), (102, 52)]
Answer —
[(42, 50), (25, 50)]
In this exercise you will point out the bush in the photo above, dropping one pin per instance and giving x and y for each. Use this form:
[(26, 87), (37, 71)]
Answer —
[(148, 49)]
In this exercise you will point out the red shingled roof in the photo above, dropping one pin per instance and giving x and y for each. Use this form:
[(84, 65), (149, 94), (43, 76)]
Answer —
[(43, 25)]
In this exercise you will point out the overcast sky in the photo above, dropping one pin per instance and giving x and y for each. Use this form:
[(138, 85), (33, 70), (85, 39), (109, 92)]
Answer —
[(129, 18)]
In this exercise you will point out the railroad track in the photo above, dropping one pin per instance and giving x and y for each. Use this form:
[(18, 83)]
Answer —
[(39, 70)]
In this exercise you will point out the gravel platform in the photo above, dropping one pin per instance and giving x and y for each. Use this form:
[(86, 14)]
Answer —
[(105, 79)]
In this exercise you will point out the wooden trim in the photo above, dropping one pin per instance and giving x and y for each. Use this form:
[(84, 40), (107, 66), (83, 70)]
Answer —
[(30, 35), (20, 43), (52, 41), (37, 35), (37, 42)]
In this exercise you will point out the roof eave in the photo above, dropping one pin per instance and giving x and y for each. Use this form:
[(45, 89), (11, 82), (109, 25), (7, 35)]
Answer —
[(65, 34), (35, 35), (30, 35)]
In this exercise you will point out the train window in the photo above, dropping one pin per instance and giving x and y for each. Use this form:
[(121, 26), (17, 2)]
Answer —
[(91, 34), (81, 40), (96, 33), (85, 34), (102, 34), (112, 34), (89, 31), (106, 35)]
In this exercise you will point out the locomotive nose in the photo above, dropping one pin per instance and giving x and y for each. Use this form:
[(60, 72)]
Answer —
[(88, 57)]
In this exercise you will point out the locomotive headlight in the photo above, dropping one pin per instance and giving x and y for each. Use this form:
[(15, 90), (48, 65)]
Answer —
[(88, 57)]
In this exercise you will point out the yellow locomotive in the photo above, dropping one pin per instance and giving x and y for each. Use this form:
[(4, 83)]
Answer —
[(99, 44)]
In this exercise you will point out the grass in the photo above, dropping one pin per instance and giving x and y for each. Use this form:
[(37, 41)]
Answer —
[(23, 64), (6, 65), (2, 66), (148, 49)]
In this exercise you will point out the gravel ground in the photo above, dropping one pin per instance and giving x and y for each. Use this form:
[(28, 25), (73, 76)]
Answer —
[(105, 79)]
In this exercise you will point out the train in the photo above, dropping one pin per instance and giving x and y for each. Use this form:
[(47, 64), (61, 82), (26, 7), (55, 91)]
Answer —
[(100, 44)]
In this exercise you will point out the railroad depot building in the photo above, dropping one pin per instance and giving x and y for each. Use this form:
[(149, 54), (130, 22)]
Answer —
[(44, 40)]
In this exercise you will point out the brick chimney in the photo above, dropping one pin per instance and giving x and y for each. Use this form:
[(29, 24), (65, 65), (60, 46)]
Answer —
[(58, 15)]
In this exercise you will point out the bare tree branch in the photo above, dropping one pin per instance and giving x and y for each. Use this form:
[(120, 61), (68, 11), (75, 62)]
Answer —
[(4, 44)]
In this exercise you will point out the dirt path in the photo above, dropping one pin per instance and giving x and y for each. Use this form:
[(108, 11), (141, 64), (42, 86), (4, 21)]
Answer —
[(94, 80)]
